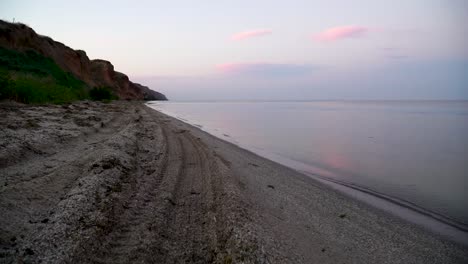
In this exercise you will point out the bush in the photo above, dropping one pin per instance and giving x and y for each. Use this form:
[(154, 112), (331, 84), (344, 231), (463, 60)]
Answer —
[(5, 84), (101, 94)]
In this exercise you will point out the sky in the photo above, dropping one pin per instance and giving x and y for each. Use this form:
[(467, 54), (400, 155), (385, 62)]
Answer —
[(269, 50)]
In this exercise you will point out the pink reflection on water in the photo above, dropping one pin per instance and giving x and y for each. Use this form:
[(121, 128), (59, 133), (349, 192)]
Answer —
[(335, 159)]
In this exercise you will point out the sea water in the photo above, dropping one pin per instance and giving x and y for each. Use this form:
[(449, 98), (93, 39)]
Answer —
[(412, 152)]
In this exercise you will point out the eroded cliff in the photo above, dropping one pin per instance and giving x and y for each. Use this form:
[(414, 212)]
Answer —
[(94, 73)]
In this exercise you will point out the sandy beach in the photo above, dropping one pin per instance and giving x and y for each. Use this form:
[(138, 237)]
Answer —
[(122, 183)]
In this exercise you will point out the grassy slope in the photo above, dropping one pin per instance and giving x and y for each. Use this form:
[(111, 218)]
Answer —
[(32, 78)]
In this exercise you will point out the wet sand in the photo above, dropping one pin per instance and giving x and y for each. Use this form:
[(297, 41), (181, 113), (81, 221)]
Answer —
[(122, 183)]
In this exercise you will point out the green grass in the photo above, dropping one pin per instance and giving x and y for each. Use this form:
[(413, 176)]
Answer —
[(33, 89), (29, 77)]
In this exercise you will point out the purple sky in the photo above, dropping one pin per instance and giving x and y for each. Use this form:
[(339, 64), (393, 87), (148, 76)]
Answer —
[(269, 50)]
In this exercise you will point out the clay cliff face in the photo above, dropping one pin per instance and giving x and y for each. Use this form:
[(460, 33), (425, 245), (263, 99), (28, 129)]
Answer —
[(94, 73)]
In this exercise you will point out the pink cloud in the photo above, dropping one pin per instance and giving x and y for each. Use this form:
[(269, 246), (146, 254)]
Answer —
[(251, 34), (234, 67), (342, 32)]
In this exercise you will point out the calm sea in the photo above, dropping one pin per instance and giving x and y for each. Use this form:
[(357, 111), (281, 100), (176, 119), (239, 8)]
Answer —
[(413, 153)]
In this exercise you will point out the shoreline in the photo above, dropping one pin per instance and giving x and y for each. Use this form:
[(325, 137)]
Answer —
[(431, 221), (121, 181), (423, 222)]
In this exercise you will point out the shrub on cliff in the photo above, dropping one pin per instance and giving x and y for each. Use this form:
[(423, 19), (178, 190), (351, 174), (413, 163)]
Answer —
[(101, 94), (5, 84)]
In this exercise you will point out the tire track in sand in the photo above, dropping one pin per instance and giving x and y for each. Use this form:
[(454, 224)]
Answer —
[(127, 239), (169, 218), (196, 228), (172, 203), (175, 212)]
